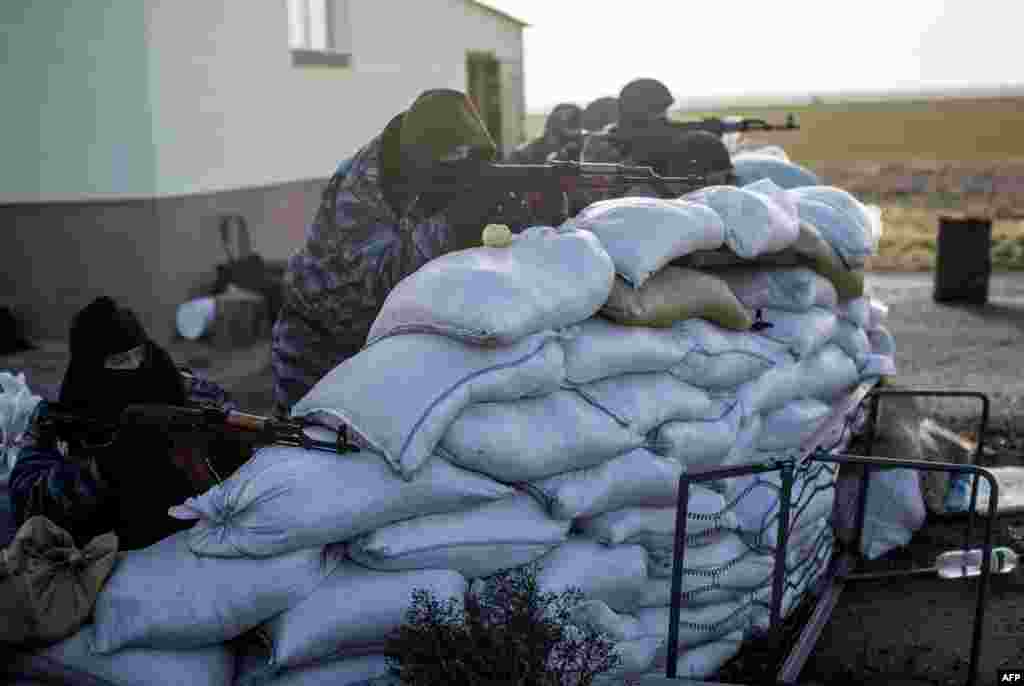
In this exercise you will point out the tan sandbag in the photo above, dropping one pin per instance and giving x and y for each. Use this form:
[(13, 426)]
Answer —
[(823, 258), (675, 294), (47, 585)]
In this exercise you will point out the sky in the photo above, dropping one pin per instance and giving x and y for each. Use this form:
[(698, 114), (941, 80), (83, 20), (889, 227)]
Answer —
[(578, 51)]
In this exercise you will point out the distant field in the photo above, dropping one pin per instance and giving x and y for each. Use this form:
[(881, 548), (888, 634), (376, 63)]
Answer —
[(975, 130)]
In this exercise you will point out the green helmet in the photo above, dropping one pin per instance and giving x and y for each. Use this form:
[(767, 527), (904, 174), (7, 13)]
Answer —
[(643, 100), (564, 120), (600, 113)]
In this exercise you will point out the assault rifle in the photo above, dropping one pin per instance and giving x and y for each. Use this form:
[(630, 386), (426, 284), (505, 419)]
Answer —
[(537, 192), (169, 420), (720, 127)]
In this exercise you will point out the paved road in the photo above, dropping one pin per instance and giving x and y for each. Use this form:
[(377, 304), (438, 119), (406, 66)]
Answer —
[(974, 347)]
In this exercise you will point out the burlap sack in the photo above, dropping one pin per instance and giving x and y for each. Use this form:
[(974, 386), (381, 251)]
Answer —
[(47, 585), (823, 259), (675, 294)]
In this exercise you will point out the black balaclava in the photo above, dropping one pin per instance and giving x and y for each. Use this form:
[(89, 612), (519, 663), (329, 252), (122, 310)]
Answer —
[(137, 464)]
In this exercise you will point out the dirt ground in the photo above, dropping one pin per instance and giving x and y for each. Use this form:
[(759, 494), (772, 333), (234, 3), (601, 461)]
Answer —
[(917, 629)]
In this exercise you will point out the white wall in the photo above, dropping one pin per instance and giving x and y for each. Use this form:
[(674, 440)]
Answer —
[(74, 107), (230, 110)]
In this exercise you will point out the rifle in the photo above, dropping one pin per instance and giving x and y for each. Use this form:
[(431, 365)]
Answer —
[(170, 420), (720, 127), (535, 193)]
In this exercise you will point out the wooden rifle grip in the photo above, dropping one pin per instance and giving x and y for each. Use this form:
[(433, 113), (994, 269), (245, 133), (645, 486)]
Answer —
[(246, 422)]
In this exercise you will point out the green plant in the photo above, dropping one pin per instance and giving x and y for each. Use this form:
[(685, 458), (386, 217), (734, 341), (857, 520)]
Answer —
[(507, 633)]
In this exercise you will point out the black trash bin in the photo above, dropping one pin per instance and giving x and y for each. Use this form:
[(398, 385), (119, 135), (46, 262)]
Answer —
[(963, 261)]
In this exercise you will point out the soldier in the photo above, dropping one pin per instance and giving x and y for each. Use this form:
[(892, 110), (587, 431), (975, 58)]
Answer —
[(373, 228), (562, 128), (600, 113)]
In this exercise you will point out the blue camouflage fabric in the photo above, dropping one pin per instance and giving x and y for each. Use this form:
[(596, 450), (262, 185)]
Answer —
[(357, 249), (71, 491)]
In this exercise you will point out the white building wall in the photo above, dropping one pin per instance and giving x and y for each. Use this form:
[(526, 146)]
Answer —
[(230, 110), (74, 104)]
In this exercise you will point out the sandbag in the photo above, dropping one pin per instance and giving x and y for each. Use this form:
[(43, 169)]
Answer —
[(642, 235), (438, 378), (853, 341), (824, 376), (728, 582), (878, 313), (600, 572), (722, 359), (642, 402), (794, 288), (635, 658), (47, 585), (676, 294), (353, 671), (759, 218), (841, 219), (638, 477), (352, 613), (166, 597), (895, 511), (478, 542), (655, 527), (286, 499), (754, 166), (882, 342), (823, 259), (803, 332), (17, 405), (697, 625), (535, 438), (212, 665), (548, 278), (601, 349), (793, 424), (699, 444), (703, 661), (755, 503), (856, 311)]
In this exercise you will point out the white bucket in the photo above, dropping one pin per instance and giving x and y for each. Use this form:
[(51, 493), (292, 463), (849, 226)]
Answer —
[(195, 317)]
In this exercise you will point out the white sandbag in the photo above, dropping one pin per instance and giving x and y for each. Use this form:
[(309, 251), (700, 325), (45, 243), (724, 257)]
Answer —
[(841, 220), (697, 625), (642, 235), (600, 572), (853, 341), (703, 661), (856, 311), (635, 658), (477, 542), (597, 615), (882, 342), (17, 405), (438, 378), (878, 314), (756, 165), (354, 671), (730, 582), (352, 613), (655, 527), (642, 402), (637, 478), (878, 365), (548, 278), (804, 332), (213, 665), (699, 444), (723, 359), (531, 439), (759, 218), (825, 376), (793, 424), (756, 498), (704, 558), (601, 349), (166, 597), (895, 511), (286, 499), (785, 289)]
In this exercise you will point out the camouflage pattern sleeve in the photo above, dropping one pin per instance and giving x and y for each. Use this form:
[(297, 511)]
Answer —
[(357, 249)]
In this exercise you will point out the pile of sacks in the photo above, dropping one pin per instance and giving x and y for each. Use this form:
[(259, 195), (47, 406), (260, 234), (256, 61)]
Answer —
[(538, 402)]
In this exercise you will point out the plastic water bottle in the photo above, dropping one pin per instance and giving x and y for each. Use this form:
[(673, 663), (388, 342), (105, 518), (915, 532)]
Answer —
[(958, 495), (958, 564)]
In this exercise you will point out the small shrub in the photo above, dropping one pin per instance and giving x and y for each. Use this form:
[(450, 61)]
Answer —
[(510, 634)]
